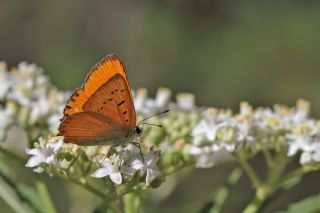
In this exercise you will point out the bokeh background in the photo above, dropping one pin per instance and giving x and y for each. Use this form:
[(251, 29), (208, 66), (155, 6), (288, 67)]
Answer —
[(223, 51)]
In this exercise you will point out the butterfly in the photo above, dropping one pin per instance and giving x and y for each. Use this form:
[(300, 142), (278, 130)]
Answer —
[(101, 111)]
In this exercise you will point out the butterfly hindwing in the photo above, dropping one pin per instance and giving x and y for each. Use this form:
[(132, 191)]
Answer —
[(89, 128)]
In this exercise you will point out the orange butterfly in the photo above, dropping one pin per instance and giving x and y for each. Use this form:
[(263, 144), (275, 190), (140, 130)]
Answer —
[(101, 112)]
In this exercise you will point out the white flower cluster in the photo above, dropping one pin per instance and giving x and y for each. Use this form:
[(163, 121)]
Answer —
[(129, 162), (44, 152), (27, 98), (146, 106), (262, 127)]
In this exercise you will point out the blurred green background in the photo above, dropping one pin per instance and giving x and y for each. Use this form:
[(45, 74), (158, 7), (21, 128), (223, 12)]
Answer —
[(223, 51)]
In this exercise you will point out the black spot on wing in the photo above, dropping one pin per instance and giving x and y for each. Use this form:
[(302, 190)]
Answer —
[(120, 103)]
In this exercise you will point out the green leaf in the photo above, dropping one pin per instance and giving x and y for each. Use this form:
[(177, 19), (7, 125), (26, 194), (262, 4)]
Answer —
[(308, 205), (32, 196), (10, 196)]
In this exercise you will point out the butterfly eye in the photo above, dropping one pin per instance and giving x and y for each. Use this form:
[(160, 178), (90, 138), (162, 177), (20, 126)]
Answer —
[(138, 130)]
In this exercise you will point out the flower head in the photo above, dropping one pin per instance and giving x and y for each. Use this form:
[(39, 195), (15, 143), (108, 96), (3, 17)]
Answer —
[(113, 168), (45, 151), (146, 164), (185, 101), (147, 106), (6, 119), (6, 80)]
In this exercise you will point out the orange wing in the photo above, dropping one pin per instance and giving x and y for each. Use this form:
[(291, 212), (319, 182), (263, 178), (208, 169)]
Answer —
[(102, 72), (89, 128), (113, 99), (106, 93)]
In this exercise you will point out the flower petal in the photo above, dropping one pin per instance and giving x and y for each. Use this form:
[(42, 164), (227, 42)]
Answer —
[(34, 161), (152, 174), (32, 151), (305, 158), (101, 172), (127, 170), (56, 146), (137, 164), (38, 170), (116, 178), (152, 158), (293, 149), (50, 159)]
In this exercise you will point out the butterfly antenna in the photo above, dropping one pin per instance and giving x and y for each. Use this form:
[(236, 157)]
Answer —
[(140, 122), (158, 125)]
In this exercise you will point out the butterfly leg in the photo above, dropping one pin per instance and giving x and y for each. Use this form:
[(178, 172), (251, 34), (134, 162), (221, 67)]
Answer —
[(138, 145)]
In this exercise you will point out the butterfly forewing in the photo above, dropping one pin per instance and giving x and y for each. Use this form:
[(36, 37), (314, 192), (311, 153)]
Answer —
[(98, 76), (113, 99)]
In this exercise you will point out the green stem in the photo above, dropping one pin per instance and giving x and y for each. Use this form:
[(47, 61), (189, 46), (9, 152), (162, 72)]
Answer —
[(174, 169), (249, 170), (85, 185), (268, 187), (45, 195), (106, 198), (224, 191), (132, 203), (112, 205), (268, 158), (115, 208), (276, 171), (254, 205), (298, 173)]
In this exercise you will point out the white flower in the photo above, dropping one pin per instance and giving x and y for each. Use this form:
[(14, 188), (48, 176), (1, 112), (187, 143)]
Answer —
[(311, 153), (6, 119), (140, 97), (39, 109), (162, 98), (216, 131), (30, 84), (146, 106), (243, 123), (54, 122), (45, 152), (6, 82), (298, 143), (268, 121), (146, 164), (208, 156), (225, 146), (205, 161), (185, 101), (304, 139), (113, 168), (245, 131), (207, 127), (302, 111)]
